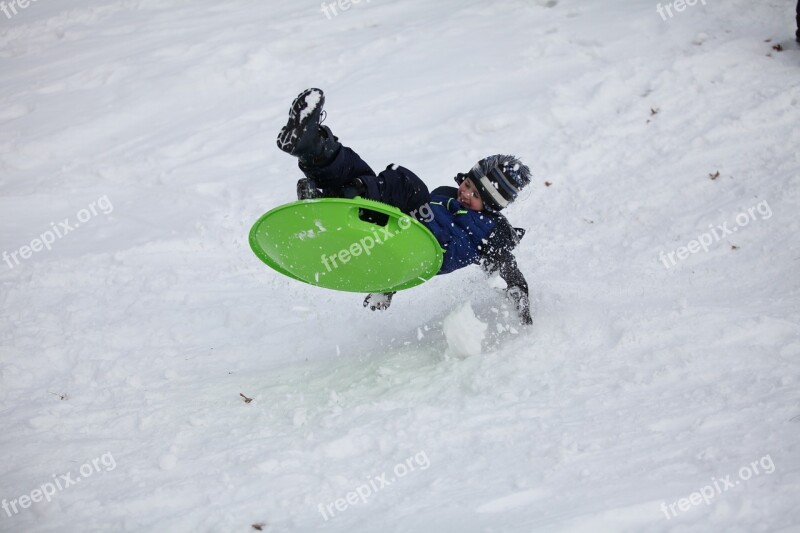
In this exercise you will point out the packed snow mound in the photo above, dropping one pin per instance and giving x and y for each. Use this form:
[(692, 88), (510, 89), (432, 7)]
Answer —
[(464, 332)]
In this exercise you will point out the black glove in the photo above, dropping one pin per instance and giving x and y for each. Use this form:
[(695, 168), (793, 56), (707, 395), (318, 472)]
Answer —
[(378, 301), (520, 299)]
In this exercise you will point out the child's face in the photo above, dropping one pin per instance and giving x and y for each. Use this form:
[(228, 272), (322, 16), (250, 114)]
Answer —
[(468, 195)]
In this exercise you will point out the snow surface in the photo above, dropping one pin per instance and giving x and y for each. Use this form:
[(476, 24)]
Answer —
[(225, 396)]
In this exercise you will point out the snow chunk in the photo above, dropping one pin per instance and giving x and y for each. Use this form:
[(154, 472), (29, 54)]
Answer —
[(312, 99), (310, 233), (464, 332)]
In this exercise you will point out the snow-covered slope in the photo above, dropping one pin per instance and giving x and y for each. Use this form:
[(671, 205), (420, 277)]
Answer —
[(148, 127)]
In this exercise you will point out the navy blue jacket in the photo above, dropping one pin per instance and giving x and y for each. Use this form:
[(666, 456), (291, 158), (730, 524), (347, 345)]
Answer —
[(474, 237), (461, 232), (467, 237)]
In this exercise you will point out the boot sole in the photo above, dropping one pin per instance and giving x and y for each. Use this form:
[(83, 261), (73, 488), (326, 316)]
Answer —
[(305, 107)]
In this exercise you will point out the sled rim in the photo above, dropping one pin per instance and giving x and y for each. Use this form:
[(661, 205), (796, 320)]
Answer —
[(333, 225)]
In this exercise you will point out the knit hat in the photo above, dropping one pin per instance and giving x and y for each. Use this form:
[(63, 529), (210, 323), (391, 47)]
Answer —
[(499, 178)]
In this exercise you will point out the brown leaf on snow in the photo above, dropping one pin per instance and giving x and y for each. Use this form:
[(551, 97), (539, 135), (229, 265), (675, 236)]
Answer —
[(246, 399), (259, 526), (547, 183), (714, 176)]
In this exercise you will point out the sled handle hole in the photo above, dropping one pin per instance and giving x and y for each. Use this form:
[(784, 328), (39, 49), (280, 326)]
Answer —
[(373, 217)]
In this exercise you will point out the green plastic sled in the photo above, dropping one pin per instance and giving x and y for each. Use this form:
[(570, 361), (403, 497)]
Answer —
[(325, 242)]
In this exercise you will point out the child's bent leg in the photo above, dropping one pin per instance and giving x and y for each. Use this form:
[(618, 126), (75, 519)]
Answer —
[(339, 172), (395, 186), (399, 187)]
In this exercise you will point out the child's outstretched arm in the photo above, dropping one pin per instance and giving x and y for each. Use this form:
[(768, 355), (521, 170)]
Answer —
[(497, 256)]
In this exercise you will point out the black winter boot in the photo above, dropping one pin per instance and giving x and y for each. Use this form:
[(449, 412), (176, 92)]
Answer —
[(303, 137), (307, 189)]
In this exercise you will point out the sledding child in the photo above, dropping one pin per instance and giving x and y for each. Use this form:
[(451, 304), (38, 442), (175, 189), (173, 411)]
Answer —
[(465, 220)]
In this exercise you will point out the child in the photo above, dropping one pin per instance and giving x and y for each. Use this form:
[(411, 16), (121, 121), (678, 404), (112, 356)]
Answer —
[(465, 220)]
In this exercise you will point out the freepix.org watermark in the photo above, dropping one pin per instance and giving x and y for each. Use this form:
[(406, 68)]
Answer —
[(343, 5), (705, 240), (363, 492), (765, 465), (678, 5), (379, 236), (57, 231), (11, 8), (46, 491)]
